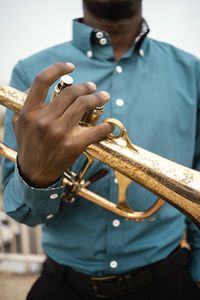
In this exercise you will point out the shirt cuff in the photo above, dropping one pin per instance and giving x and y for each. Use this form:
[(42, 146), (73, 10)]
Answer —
[(41, 201), (194, 264)]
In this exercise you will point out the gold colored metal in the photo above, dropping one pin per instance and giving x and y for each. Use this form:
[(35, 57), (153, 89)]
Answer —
[(122, 139), (86, 165), (65, 81), (91, 117), (123, 183), (176, 184), (12, 98), (7, 152), (96, 199)]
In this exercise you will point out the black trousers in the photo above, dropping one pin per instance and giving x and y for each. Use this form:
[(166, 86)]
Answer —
[(54, 286)]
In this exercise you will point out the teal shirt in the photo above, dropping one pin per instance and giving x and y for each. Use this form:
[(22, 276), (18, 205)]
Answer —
[(155, 93)]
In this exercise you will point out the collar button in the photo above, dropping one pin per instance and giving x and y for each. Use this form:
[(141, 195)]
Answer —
[(141, 52), (103, 41), (99, 34)]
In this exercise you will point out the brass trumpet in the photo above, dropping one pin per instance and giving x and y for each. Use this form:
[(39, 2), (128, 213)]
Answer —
[(171, 182)]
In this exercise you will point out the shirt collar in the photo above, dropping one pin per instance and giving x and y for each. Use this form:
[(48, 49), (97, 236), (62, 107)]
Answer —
[(85, 36)]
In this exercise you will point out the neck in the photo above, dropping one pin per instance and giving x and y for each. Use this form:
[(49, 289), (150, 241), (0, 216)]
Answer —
[(122, 32)]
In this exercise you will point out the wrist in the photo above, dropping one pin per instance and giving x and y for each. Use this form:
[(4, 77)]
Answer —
[(35, 180)]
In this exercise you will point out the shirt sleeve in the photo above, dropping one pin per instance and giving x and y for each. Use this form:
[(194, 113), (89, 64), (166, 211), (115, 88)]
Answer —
[(193, 233), (22, 202)]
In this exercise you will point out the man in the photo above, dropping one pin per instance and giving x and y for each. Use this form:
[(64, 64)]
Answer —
[(155, 92)]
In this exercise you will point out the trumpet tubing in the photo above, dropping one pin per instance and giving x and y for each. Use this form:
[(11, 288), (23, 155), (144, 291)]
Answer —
[(174, 183)]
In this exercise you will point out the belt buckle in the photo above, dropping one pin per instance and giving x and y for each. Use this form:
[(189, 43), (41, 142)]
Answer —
[(101, 279)]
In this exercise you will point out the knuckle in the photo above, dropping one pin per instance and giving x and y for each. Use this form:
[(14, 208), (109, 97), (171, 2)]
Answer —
[(24, 118), (42, 125), (59, 66), (71, 91), (76, 91), (84, 103), (58, 133), (88, 88), (39, 79), (101, 131), (99, 99)]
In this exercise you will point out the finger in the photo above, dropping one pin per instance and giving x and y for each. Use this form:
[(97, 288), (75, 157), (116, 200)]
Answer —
[(97, 133), (83, 104), (27, 91), (68, 95), (14, 119), (43, 81)]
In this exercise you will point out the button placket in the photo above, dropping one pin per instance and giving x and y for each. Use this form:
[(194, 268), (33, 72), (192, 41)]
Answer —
[(115, 230)]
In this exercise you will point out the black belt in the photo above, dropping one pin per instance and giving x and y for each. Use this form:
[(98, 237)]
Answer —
[(121, 284)]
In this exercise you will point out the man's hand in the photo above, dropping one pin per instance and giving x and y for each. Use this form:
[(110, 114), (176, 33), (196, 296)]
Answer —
[(49, 136)]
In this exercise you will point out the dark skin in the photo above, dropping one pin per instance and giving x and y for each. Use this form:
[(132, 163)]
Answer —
[(49, 137), (125, 29)]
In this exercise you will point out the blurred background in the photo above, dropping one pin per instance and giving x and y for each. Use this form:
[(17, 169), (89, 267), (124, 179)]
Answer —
[(29, 26)]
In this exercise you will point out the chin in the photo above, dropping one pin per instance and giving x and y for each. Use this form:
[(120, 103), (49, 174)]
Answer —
[(113, 9)]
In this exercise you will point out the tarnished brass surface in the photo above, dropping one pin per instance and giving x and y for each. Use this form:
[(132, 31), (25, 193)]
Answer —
[(7, 152), (91, 117), (12, 98), (176, 184)]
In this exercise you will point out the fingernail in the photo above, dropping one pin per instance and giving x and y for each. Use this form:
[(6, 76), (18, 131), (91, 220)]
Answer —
[(70, 65), (92, 85), (105, 94)]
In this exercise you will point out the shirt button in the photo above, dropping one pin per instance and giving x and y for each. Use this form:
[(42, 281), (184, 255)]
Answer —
[(103, 41), (49, 217), (119, 102), (99, 34), (115, 181), (89, 53), (116, 223), (53, 196), (113, 264), (141, 52), (118, 69)]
